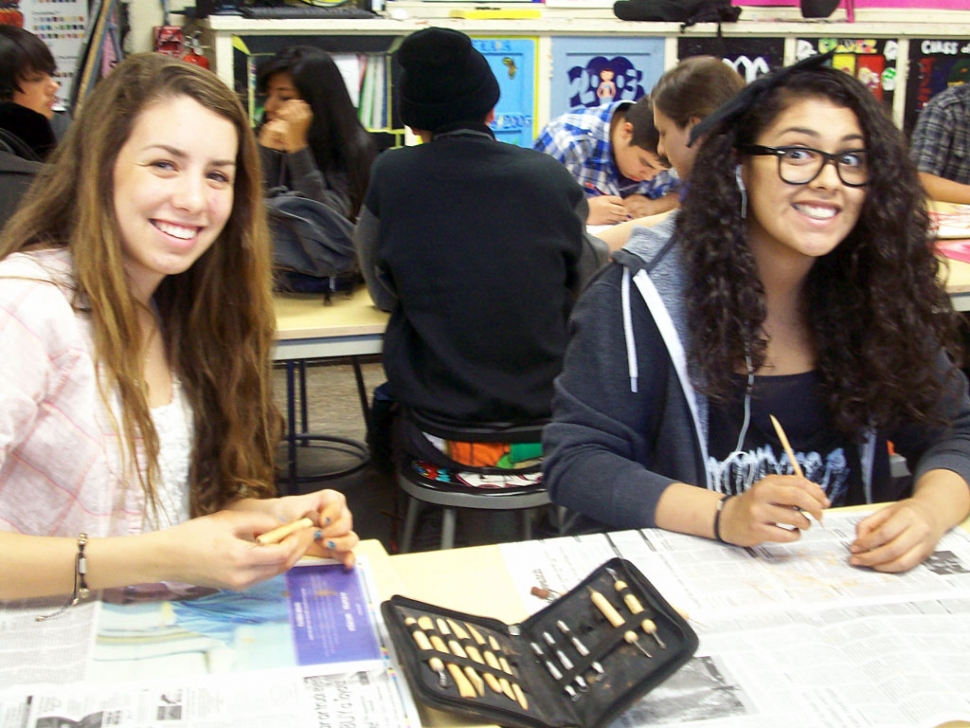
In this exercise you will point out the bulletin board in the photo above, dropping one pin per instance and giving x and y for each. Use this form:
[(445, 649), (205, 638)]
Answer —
[(595, 71), (935, 64)]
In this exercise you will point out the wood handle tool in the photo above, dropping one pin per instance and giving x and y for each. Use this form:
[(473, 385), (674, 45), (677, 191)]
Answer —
[(465, 688), (458, 651), (421, 639), (474, 654), (635, 607), (616, 619)]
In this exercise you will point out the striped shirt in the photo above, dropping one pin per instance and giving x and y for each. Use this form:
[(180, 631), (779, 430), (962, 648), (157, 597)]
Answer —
[(61, 466), (941, 140), (580, 139)]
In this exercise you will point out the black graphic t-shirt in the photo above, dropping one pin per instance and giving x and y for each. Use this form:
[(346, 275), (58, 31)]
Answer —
[(826, 456)]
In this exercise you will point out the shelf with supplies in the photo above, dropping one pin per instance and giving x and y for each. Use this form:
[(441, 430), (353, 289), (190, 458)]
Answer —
[(905, 56)]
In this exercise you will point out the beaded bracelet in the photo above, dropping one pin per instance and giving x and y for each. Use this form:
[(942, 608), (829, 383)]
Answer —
[(81, 590), (717, 518)]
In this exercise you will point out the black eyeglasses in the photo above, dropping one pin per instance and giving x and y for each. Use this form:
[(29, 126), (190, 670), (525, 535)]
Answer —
[(800, 165)]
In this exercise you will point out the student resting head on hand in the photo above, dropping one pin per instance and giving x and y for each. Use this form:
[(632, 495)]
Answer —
[(135, 405), (798, 282)]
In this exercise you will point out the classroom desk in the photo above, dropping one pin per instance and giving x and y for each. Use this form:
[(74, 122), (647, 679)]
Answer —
[(308, 328), (958, 283)]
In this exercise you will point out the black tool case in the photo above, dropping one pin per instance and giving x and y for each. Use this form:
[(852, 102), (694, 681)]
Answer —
[(538, 673)]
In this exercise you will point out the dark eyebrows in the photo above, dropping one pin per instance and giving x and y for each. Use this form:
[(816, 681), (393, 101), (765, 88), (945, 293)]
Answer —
[(180, 155)]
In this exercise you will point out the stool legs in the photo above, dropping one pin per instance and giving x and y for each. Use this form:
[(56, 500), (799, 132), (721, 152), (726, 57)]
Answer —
[(410, 523), (448, 519)]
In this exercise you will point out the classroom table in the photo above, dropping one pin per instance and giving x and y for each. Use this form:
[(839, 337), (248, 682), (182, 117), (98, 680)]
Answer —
[(957, 277), (308, 326)]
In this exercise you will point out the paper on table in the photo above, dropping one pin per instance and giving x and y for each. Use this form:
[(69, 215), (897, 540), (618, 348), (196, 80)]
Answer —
[(788, 629)]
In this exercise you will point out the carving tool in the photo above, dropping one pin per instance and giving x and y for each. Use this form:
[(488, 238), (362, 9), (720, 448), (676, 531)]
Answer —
[(542, 593), (465, 688), (458, 651), (614, 618), (580, 647), (635, 607), (281, 532), (421, 639), (492, 661), (473, 653), (519, 692), (791, 458)]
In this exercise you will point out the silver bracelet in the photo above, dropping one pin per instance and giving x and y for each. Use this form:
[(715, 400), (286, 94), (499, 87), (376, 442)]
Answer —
[(81, 590)]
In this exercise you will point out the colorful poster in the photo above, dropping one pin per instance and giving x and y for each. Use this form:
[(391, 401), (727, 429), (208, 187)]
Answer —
[(595, 71), (935, 64), (871, 60)]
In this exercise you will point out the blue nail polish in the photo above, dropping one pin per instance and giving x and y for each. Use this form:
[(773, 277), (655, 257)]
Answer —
[(331, 545), (317, 535)]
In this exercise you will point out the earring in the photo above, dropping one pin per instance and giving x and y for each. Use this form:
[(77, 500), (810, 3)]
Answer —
[(743, 191)]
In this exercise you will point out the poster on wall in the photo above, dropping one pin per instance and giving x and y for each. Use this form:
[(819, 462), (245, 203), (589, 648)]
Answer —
[(751, 57), (595, 71), (871, 60), (935, 64), (60, 24)]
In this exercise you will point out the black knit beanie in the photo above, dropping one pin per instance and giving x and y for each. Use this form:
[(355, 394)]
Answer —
[(445, 80)]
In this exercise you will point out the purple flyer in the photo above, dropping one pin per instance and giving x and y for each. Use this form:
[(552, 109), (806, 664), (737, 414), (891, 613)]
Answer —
[(330, 616)]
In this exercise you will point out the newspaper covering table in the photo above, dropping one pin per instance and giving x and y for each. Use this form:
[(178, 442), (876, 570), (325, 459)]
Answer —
[(307, 649), (790, 634)]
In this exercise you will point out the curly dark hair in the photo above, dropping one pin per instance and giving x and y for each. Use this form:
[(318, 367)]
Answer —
[(874, 305), (336, 137)]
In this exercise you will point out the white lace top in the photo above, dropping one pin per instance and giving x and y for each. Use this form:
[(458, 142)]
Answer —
[(173, 423)]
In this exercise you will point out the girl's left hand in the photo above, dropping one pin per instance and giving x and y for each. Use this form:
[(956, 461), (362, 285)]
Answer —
[(334, 536), (897, 537)]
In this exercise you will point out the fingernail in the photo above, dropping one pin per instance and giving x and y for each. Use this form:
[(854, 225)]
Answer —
[(331, 545), (326, 521), (317, 535)]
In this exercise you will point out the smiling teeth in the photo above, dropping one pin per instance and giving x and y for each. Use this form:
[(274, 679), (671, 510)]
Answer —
[(816, 213), (176, 231)]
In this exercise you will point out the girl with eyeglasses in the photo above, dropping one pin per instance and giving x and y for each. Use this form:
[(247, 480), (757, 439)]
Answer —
[(798, 281)]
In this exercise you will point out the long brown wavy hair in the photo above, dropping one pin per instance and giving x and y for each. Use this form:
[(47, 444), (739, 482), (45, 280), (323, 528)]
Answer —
[(217, 318), (874, 305)]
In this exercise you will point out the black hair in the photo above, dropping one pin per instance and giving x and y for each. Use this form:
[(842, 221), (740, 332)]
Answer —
[(22, 55), (336, 137), (874, 305), (645, 133)]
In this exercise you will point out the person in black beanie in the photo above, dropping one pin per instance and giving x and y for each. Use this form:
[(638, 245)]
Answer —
[(476, 247)]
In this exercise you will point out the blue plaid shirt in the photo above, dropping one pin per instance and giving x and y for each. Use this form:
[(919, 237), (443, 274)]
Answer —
[(941, 140), (580, 139)]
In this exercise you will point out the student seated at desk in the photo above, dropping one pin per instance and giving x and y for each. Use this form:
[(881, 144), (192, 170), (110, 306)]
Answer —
[(941, 145), (681, 99), (137, 424), (795, 281), (476, 247), (611, 150), (311, 140)]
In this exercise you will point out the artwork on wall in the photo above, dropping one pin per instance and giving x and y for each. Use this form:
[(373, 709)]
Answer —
[(935, 64), (871, 60), (751, 57), (595, 71), (512, 60)]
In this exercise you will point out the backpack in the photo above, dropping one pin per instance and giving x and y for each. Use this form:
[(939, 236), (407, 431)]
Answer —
[(686, 12), (313, 250)]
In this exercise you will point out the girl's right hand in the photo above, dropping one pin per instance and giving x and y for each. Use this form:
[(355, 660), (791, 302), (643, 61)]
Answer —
[(773, 509), (220, 550)]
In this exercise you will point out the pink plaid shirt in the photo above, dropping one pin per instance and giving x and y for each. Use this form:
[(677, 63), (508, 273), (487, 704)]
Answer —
[(61, 467)]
